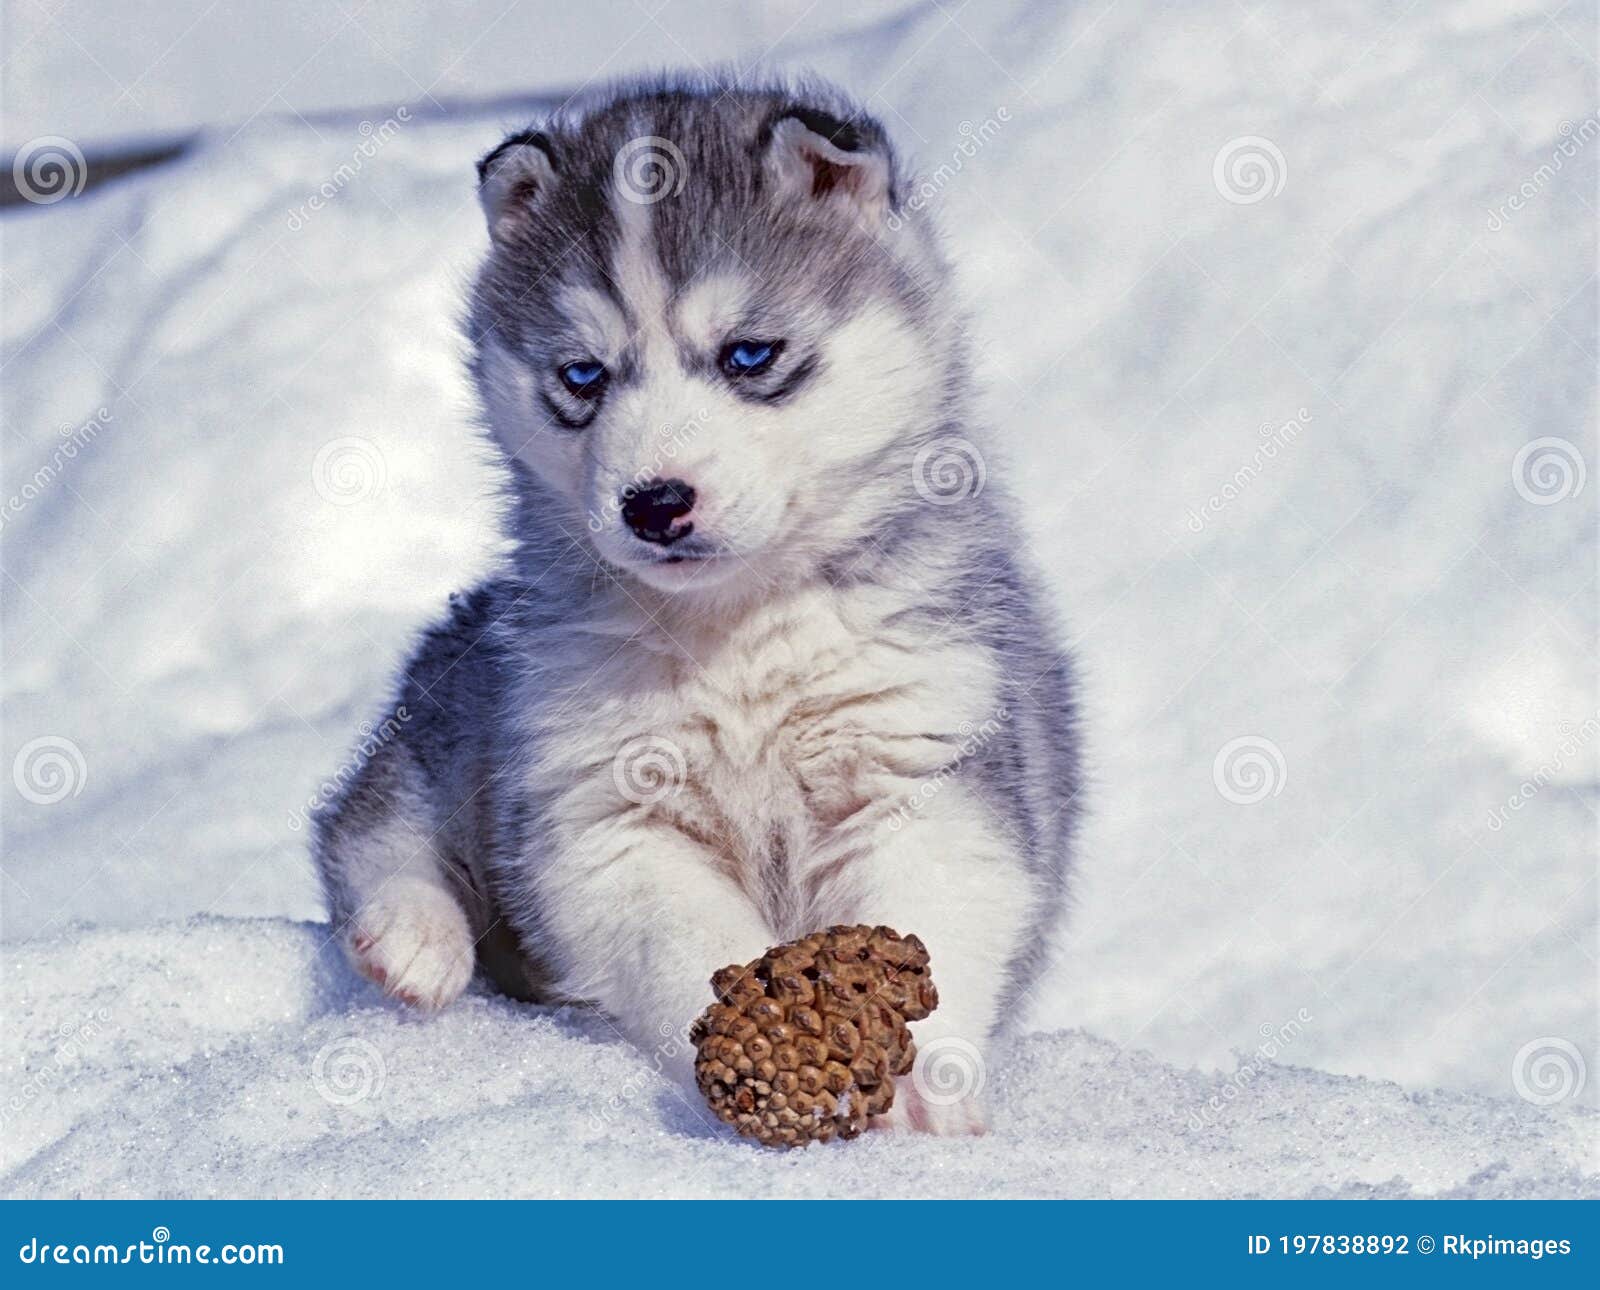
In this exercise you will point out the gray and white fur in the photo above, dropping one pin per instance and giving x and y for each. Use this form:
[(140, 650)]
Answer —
[(768, 659)]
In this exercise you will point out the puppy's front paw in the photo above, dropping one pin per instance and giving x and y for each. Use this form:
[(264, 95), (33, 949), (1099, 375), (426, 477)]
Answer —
[(413, 940), (917, 1110)]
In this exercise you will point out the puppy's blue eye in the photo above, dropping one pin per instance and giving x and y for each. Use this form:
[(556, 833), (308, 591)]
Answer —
[(744, 357), (585, 380)]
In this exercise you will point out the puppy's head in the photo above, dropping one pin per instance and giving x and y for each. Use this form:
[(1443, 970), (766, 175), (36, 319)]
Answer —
[(703, 331)]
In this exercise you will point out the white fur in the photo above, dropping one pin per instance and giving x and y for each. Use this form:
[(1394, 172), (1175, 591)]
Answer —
[(807, 719), (794, 719), (412, 939)]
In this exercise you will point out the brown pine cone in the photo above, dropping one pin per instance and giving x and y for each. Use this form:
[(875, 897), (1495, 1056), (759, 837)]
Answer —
[(803, 1044)]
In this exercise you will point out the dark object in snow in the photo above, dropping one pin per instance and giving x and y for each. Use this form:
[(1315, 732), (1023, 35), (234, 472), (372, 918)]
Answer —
[(803, 1044)]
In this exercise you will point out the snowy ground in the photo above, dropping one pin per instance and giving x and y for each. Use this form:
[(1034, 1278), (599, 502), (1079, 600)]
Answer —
[(265, 1072), (1396, 608)]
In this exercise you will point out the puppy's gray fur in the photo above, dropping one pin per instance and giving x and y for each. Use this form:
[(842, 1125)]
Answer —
[(620, 773)]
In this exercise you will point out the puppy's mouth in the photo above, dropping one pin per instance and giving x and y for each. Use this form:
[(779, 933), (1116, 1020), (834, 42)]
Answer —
[(688, 551), (686, 566)]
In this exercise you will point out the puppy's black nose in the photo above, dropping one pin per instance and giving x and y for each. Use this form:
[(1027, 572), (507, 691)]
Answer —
[(653, 509)]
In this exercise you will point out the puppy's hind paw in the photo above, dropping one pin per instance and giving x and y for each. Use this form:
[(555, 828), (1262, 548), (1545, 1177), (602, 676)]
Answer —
[(413, 940)]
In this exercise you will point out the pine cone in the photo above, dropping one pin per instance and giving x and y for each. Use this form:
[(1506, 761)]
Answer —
[(803, 1044)]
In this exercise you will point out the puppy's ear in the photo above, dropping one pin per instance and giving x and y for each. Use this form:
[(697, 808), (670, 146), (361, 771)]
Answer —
[(512, 179), (817, 158)]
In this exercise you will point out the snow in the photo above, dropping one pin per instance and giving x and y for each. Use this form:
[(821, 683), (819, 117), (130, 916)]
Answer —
[(264, 1071), (208, 595), (99, 72)]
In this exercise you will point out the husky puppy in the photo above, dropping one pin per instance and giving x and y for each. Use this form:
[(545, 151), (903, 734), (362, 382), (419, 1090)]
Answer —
[(768, 659)]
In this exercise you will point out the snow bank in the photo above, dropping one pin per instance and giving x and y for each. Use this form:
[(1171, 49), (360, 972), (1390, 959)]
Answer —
[(112, 71), (274, 480), (237, 1058)]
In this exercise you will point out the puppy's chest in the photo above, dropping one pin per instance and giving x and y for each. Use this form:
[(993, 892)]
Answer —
[(802, 721), (793, 726)]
